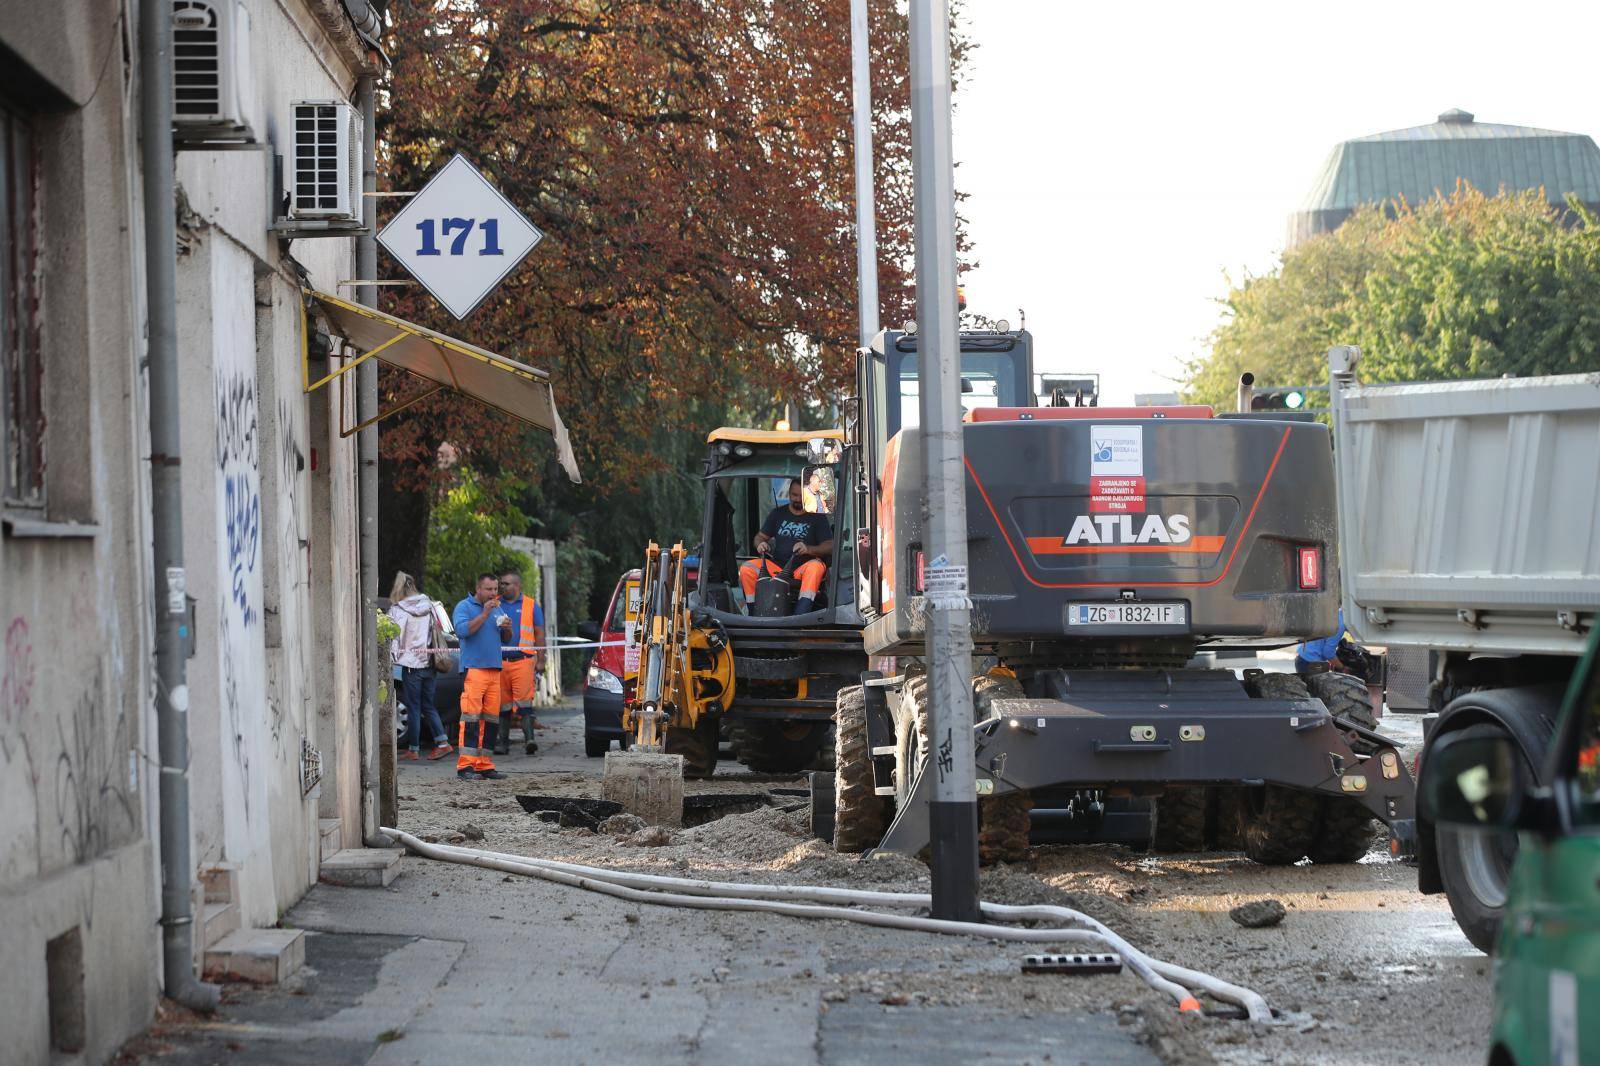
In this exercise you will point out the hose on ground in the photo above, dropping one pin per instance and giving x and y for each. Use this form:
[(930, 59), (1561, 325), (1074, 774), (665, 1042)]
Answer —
[(816, 901)]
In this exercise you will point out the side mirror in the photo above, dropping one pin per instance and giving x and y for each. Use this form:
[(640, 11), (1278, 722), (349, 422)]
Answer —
[(589, 630), (821, 450), (1476, 782)]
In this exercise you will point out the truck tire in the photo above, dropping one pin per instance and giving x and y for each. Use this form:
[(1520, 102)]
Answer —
[(1348, 829), (698, 746), (777, 747), (1475, 867), (1182, 821), (1277, 825), (781, 668), (860, 815), (1003, 821)]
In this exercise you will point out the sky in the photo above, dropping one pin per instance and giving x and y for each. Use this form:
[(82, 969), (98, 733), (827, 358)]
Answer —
[(1122, 161)]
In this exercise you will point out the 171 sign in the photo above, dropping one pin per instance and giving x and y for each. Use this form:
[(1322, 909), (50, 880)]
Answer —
[(459, 237)]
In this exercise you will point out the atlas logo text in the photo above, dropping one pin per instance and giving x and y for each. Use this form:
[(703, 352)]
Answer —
[(1129, 529)]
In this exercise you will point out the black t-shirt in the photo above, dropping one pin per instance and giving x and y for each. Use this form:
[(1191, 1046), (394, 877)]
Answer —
[(788, 529)]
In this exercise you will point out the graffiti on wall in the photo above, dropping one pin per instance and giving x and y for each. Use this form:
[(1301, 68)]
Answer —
[(238, 462), (93, 801)]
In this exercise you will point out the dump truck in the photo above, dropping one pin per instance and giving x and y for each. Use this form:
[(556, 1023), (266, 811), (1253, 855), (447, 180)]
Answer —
[(1467, 519)]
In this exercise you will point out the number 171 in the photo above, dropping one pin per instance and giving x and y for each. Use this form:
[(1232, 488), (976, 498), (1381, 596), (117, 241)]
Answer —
[(462, 228)]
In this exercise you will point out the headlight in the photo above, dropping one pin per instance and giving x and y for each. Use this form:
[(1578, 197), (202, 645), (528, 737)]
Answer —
[(743, 451), (604, 680)]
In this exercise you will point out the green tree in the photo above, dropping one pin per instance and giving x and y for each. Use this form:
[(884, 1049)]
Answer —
[(1467, 286), (464, 534)]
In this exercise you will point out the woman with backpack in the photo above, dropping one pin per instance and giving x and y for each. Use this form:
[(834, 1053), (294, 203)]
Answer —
[(415, 614)]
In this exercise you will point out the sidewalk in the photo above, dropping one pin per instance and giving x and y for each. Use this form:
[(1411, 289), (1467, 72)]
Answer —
[(458, 965)]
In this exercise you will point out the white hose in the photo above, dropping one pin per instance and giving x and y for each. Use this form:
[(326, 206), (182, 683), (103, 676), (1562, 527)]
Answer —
[(815, 901)]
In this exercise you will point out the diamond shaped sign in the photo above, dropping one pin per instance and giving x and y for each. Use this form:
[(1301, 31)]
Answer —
[(459, 236)]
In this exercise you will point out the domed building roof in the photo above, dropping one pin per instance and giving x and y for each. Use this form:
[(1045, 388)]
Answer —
[(1422, 162)]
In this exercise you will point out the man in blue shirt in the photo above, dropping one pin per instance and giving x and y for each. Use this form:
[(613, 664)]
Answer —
[(521, 660), (480, 624), (1316, 656)]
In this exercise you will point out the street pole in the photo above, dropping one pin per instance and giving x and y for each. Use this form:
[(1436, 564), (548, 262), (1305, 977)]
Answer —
[(953, 812), (378, 793), (169, 585), (866, 201)]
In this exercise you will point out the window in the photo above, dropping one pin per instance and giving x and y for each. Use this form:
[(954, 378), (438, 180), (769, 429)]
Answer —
[(21, 368)]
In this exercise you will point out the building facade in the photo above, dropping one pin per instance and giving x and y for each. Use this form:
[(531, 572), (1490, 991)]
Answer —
[(270, 514)]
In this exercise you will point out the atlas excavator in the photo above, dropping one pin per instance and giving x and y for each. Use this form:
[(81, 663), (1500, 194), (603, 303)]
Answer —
[(1107, 548)]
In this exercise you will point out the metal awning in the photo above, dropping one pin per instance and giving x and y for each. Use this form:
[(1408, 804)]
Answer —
[(523, 392)]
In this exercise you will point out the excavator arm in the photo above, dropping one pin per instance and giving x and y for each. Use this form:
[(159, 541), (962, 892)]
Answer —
[(685, 662)]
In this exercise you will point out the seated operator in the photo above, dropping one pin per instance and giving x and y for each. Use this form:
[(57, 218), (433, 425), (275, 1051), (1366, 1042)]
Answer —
[(791, 531)]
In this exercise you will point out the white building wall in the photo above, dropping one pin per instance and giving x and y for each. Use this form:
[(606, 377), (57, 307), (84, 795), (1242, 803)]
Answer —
[(263, 684)]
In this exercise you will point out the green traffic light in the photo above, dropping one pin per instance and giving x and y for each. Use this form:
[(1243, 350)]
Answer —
[(1294, 401)]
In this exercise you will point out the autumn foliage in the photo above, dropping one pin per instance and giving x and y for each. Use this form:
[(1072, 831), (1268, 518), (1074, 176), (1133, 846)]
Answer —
[(691, 165)]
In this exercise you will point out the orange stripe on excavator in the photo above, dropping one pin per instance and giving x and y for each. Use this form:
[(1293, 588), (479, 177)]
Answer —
[(1058, 546)]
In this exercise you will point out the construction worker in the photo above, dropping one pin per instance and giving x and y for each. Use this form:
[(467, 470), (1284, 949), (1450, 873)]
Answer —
[(481, 625), (522, 659), (791, 531)]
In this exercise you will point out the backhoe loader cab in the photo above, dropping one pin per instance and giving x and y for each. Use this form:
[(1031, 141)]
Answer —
[(789, 666)]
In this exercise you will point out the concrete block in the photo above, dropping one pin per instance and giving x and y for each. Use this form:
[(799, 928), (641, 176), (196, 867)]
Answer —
[(220, 882), (362, 867), (647, 784), (262, 956), (328, 830), (217, 920)]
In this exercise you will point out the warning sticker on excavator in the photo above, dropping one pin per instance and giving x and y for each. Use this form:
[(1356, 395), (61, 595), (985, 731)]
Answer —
[(1116, 470)]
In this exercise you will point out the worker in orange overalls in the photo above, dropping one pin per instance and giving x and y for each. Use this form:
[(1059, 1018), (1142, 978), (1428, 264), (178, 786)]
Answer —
[(481, 624), (791, 531), (522, 660)]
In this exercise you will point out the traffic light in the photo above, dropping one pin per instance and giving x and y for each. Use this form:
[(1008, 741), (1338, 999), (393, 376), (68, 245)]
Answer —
[(1278, 400)]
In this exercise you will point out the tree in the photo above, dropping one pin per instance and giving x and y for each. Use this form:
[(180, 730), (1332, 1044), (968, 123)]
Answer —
[(1467, 286), (691, 164)]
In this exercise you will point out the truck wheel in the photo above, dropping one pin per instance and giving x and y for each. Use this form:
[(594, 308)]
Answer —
[(698, 746), (777, 747), (1182, 815), (1003, 821), (911, 735), (594, 746), (1475, 867), (860, 815), (1277, 825), (1348, 829)]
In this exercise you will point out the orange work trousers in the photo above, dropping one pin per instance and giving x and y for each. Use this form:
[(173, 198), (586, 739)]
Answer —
[(811, 572), (517, 684), (480, 719)]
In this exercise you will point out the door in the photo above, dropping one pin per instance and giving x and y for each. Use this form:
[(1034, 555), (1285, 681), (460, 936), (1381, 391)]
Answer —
[(1548, 991)]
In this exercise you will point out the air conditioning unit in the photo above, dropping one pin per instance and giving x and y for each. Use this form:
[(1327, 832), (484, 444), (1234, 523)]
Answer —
[(210, 70), (325, 161)]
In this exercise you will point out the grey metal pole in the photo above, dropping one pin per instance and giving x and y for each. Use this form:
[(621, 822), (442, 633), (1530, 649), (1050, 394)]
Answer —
[(376, 737), (866, 200), (953, 812), (166, 508)]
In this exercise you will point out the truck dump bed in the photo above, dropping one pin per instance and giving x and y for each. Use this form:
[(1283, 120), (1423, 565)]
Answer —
[(1469, 512)]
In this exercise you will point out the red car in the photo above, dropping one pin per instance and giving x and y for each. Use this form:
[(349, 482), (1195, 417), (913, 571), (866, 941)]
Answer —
[(603, 687)]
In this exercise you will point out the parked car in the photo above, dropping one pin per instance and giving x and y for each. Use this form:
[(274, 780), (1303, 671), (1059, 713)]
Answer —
[(1547, 971), (603, 687)]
